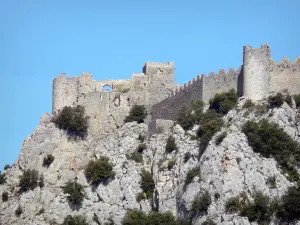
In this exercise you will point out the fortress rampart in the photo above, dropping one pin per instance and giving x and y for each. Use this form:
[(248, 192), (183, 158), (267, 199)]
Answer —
[(155, 88), (200, 88)]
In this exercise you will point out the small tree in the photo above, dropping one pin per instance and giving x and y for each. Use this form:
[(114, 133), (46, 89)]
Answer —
[(147, 183), (75, 191), (135, 156), (48, 160), (29, 180), (223, 102), (171, 145), (75, 220), (18, 211), (5, 196), (201, 203), (191, 174), (134, 217), (7, 166), (191, 115), (276, 101), (99, 171), (73, 120), (137, 113), (171, 163)]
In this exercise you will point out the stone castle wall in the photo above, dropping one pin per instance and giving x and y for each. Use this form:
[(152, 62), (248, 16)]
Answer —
[(107, 110), (201, 88), (155, 88), (221, 82)]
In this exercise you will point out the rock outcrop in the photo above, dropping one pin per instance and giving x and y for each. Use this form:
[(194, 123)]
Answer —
[(225, 170)]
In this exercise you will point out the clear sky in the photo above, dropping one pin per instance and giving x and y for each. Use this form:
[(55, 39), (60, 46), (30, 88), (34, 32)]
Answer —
[(113, 39)]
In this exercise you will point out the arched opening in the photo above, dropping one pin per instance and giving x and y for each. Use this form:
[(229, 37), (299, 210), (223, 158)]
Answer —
[(107, 87)]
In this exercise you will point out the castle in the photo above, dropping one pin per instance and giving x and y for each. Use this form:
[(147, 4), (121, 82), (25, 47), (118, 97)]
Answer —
[(155, 88)]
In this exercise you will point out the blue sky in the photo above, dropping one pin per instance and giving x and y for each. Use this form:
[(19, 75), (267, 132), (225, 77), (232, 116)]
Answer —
[(113, 39)]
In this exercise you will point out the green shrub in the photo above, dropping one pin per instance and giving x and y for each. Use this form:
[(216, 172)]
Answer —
[(261, 109), (29, 180), (276, 101), (171, 145), (138, 217), (75, 192), (5, 196), (141, 147), (220, 138), (248, 104), (191, 174), (73, 120), (233, 205), (269, 139), (258, 210), (137, 113), (224, 102), (75, 220), (99, 171), (2, 178), (134, 217), (189, 116), (210, 123), (171, 163), (289, 206), (208, 222), (187, 157), (201, 203), (18, 211), (160, 218), (48, 160), (135, 156), (7, 167), (147, 183), (297, 100), (140, 196)]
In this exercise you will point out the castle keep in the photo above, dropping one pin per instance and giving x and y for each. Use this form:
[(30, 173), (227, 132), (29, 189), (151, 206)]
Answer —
[(155, 88)]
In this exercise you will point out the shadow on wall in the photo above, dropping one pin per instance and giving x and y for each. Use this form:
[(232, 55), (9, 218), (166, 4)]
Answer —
[(240, 86)]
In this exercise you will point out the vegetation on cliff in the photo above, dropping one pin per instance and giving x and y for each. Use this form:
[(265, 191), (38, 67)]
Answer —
[(72, 120), (99, 171), (137, 113), (270, 140)]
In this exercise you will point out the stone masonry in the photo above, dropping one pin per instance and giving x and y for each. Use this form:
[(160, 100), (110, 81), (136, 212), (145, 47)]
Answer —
[(155, 88)]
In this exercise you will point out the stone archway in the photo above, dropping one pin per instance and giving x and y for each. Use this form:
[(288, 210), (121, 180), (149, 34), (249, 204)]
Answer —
[(107, 87)]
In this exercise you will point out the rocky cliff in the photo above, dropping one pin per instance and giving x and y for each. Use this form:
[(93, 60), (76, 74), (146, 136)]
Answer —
[(223, 171)]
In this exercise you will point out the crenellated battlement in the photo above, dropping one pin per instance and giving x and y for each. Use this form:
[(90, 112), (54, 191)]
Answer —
[(155, 87)]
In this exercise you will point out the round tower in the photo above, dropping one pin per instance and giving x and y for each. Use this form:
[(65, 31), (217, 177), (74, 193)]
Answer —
[(255, 72), (64, 92)]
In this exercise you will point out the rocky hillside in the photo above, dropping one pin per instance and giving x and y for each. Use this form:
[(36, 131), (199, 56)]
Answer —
[(228, 179)]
